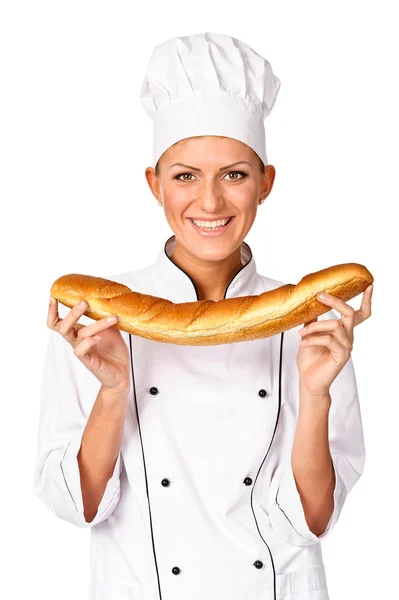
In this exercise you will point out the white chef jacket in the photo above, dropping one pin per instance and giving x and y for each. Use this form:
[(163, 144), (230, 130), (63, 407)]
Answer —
[(202, 503)]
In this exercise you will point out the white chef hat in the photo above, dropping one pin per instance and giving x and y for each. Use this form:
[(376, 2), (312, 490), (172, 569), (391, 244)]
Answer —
[(208, 84)]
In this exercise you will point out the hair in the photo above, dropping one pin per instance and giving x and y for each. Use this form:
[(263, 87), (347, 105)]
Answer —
[(261, 164)]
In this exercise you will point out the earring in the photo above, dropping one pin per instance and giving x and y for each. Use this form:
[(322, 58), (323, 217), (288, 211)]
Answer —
[(261, 201), (159, 203)]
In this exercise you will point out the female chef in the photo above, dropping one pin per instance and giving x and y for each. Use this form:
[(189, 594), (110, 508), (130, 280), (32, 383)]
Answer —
[(204, 472)]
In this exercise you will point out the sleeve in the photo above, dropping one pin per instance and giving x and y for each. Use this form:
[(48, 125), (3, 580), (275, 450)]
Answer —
[(347, 451), (68, 393)]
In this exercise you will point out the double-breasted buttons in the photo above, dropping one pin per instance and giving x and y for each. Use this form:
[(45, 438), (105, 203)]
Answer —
[(247, 481)]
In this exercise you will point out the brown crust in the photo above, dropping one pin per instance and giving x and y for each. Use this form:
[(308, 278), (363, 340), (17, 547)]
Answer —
[(209, 322)]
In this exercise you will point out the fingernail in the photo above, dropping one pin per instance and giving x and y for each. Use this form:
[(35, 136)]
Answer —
[(322, 295), (81, 304), (110, 319)]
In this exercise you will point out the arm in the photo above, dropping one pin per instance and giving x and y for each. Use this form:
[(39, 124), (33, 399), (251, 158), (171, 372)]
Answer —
[(312, 463), (100, 447), (74, 415), (301, 521)]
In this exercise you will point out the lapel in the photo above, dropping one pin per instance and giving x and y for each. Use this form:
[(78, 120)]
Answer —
[(174, 284)]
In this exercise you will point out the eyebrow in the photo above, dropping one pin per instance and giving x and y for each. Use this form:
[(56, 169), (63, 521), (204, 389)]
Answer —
[(199, 170)]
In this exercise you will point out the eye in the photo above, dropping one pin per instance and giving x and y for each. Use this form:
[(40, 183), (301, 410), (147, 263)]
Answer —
[(178, 176), (243, 175), (239, 172)]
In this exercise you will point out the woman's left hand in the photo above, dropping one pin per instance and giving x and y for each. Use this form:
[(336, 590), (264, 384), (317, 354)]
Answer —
[(327, 345)]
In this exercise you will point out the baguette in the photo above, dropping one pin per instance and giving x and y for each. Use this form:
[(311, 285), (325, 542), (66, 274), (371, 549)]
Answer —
[(210, 322)]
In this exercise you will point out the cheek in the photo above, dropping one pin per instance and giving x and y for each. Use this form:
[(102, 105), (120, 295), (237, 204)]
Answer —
[(243, 196), (245, 204), (177, 197), (176, 205)]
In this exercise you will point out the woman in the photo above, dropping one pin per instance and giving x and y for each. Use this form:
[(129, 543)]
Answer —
[(203, 471)]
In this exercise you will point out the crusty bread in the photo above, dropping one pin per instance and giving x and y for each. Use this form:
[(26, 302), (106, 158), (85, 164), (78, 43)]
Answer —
[(209, 322)]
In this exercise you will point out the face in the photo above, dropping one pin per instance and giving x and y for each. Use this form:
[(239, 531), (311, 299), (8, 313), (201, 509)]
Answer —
[(217, 178)]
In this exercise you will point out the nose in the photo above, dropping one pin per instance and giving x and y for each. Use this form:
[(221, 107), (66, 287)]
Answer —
[(210, 198)]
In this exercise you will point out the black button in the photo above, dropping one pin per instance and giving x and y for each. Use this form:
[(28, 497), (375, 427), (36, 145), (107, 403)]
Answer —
[(165, 482), (258, 564), (153, 391), (175, 570), (262, 393), (247, 481)]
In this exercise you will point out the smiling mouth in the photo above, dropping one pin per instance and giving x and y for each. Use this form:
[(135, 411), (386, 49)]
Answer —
[(206, 228)]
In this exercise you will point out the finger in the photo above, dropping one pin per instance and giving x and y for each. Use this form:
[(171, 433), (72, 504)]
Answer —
[(364, 311), (54, 321), (96, 327), (339, 305), (338, 352), (347, 312), (66, 326), (81, 350), (52, 315), (333, 326)]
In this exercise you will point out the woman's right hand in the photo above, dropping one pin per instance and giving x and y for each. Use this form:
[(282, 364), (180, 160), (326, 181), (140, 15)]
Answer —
[(107, 358)]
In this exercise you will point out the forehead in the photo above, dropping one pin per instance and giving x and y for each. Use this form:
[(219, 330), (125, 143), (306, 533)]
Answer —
[(208, 150)]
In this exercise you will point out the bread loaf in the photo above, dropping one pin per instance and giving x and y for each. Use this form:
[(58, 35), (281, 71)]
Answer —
[(209, 322)]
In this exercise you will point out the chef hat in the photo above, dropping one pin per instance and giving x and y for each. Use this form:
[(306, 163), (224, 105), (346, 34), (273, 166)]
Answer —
[(208, 84)]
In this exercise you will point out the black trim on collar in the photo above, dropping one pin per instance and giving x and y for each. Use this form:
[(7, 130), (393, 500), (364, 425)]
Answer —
[(192, 280), (182, 270)]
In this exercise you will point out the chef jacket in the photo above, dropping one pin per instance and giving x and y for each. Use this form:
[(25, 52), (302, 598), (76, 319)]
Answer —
[(202, 503)]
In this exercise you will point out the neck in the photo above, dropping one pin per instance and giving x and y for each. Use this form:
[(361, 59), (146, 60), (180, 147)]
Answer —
[(210, 277)]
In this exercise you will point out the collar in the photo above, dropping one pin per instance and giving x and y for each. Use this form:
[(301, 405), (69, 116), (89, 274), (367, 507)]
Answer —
[(174, 284)]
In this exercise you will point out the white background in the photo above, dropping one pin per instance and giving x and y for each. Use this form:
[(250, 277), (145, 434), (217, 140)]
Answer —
[(75, 141)]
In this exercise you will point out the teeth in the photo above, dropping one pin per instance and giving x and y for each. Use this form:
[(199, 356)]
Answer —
[(210, 224)]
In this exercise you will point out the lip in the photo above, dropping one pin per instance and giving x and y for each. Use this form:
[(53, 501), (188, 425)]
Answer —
[(211, 233), (212, 219)]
